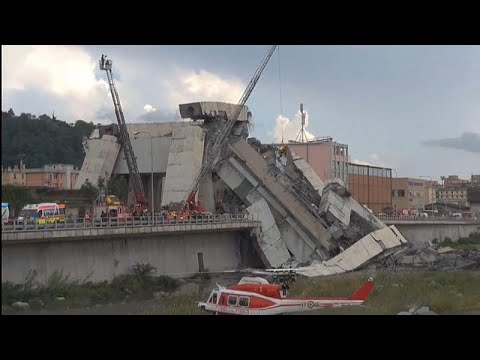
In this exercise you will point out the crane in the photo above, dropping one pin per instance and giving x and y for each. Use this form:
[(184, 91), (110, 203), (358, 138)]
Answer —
[(124, 137), (215, 150)]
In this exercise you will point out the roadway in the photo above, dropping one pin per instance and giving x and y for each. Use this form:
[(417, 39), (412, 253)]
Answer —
[(80, 229)]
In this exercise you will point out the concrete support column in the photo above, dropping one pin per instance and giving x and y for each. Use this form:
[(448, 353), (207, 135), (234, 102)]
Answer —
[(206, 193)]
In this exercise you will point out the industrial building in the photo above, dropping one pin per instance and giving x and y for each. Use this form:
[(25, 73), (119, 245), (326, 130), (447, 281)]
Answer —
[(409, 194), (327, 158), (371, 186)]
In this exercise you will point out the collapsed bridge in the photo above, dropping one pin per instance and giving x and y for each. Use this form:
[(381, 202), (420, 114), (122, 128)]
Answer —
[(304, 220)]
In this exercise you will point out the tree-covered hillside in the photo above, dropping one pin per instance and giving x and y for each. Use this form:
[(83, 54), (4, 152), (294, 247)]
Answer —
[(42, 140)]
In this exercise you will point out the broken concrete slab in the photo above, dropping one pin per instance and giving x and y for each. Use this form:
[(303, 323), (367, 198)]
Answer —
[(357, 255), (184, 163), (270, 240), (101, 153), (309, 173), (337, 205), (444, 250), (212, 109)]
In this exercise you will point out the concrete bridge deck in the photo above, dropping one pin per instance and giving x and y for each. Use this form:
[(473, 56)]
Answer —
[(77, 229)]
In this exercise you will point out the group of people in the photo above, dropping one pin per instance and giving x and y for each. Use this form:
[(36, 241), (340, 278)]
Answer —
[(103, 60)]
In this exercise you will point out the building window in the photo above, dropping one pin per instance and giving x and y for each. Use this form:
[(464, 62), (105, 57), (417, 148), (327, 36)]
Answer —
[(14, 176), (393, 193), (401, 193)]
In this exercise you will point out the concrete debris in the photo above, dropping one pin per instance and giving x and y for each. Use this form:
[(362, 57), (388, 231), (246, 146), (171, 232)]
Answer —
[(270, 240), (159, 294), (424, 310), (305, 221), (342, 233), (444, 250), (21, 305), (358, 255), (430, 258), (304, 167)]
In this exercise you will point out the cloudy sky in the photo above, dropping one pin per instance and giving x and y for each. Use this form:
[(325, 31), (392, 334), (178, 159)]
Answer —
[(412, 108)]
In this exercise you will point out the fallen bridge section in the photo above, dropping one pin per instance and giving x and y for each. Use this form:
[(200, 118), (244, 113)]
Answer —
[(273, 249), (370, 247), (287, 210)]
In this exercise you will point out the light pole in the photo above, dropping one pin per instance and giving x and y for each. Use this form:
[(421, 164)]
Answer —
[(151, 164)]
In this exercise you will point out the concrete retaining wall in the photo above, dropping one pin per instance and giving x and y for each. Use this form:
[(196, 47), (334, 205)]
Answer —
[(420, 234), (103, 259)]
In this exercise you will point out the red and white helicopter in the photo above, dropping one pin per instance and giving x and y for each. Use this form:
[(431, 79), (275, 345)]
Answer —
[(256, 296)]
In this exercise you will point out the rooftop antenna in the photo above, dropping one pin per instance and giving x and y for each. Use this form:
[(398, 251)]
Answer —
[(302, 135)]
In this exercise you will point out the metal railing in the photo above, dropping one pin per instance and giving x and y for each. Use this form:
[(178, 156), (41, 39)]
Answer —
[(429, 219), (157, 220)]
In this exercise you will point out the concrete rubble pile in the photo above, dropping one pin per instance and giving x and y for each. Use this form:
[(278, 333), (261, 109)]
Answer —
[(433, 258), (306, 223), (424, 310), (304, 220)]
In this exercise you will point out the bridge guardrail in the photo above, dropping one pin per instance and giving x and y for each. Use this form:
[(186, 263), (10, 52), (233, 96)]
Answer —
[(430, 219), (157, 220)]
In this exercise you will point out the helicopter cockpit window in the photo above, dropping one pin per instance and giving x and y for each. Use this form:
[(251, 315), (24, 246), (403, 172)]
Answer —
[(243, 301), (232, 300), (214, 298)]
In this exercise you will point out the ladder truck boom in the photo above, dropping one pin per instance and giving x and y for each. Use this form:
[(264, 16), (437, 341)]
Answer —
[(124, 137), (215, 150)]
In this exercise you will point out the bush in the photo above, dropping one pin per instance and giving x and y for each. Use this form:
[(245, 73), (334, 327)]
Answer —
[(447, 241), (141, 283)]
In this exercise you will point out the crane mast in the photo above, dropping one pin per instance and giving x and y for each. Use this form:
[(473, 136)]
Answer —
[(124, 137), (215, 150)]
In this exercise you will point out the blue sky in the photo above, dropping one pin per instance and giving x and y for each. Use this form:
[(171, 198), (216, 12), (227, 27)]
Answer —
[(413, 108)]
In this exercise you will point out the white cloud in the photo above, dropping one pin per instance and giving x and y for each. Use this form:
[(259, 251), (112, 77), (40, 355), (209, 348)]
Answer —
[(374, 160), (291, 128), (360, 162), (191, 86), (69, 78), (149, 108), (67, 72)]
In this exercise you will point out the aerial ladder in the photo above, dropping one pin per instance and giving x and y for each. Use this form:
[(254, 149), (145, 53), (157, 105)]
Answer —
[(216, 149), (141, 204)]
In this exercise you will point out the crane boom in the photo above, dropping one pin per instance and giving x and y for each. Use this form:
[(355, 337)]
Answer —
[(215, 150), (124, 137)]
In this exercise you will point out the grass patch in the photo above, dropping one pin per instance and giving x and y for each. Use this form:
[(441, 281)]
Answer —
[(472, 242), (443, 292), (61, 292), (178, 305)]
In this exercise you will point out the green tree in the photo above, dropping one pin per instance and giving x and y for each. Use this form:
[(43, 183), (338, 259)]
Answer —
[(42, 139), (17, 197), (92, 190), (118, 185)]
